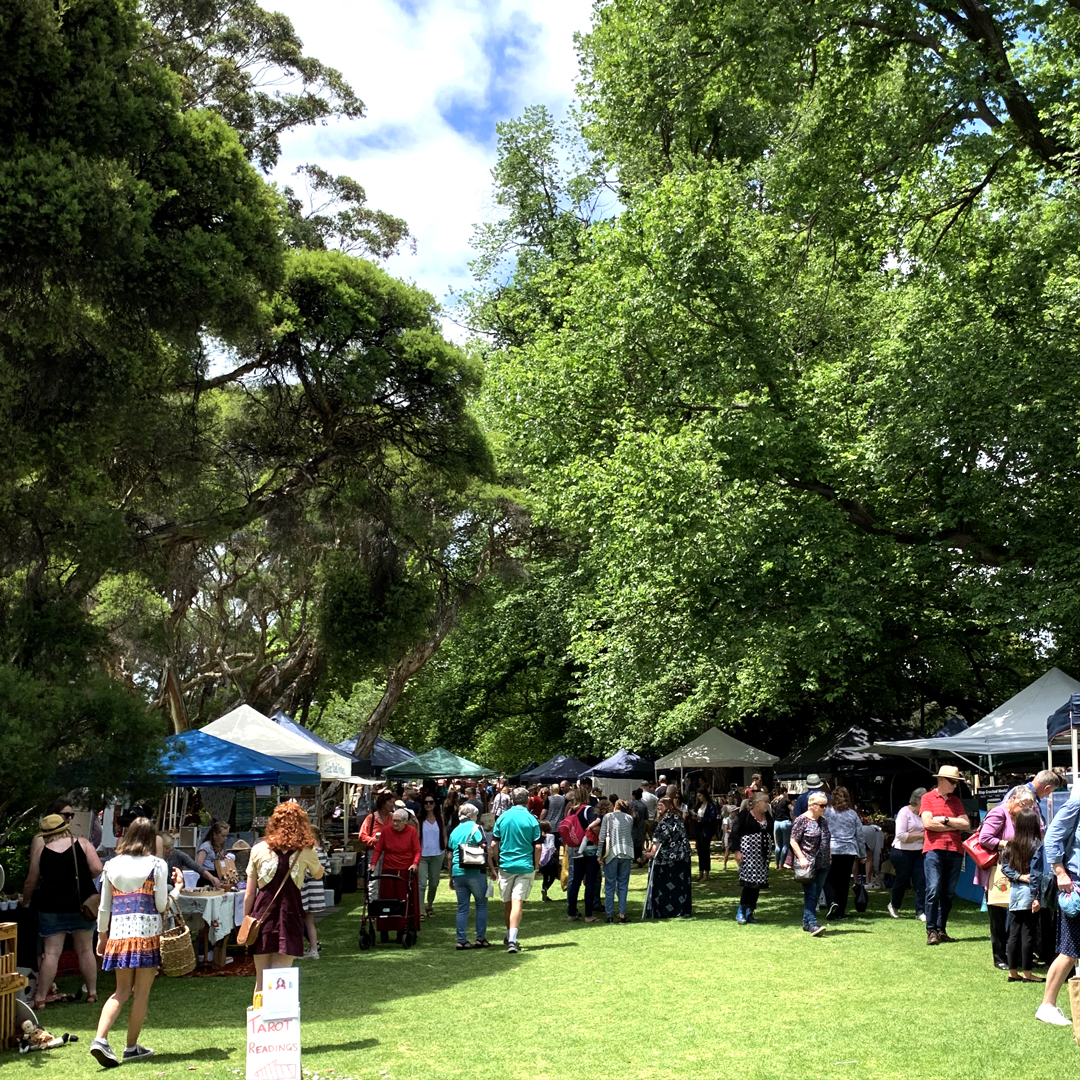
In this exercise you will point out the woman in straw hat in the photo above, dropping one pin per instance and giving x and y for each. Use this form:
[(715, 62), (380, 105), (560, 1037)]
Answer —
[(61, 880)]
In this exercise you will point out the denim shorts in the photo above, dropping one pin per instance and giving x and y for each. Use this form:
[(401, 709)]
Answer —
[(62, 922)]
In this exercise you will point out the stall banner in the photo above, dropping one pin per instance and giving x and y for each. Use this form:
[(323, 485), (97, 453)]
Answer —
[(273, 1047)]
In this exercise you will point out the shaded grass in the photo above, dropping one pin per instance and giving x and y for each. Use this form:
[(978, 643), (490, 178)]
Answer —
[(698, 998)]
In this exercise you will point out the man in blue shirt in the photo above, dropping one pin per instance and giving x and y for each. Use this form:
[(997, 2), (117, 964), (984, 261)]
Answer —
[(1062, 847), (516, 845), (813, 785)]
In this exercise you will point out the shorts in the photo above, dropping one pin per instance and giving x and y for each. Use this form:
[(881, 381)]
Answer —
[(1068, 935), (62, 922), (515, 886)]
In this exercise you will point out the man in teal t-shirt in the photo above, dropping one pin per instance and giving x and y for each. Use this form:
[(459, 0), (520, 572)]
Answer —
[(517, 847)]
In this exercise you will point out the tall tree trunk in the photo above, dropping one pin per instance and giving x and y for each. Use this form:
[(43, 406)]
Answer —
[(399, 675)]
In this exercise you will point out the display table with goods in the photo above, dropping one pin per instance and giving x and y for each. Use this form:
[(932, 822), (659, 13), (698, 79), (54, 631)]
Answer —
[(213, 912)]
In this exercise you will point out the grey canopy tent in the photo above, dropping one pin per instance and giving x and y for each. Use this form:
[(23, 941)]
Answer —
[(1016, 727), (715, 749), (384, 753)]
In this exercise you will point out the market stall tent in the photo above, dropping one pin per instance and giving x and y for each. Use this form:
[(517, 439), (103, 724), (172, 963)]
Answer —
[(849, 748), (383, 754), (716, 749), (196, 759), (559, 767), (247, 727), (437, 763), (331, 757), (623, 764), (1017, 727)]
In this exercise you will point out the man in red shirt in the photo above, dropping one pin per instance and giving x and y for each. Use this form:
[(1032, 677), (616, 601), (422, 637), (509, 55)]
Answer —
[(943, 819)]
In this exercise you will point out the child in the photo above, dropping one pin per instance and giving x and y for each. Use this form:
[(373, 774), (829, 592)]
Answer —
[(1022, 863), (549, 862), (313, 898)]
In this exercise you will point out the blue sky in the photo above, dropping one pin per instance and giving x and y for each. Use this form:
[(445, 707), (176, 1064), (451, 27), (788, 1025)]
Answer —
[(436, 76)]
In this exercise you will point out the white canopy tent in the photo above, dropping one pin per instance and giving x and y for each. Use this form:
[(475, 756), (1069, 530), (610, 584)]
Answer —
[(1017, 727), (247, 727), (716, 749)]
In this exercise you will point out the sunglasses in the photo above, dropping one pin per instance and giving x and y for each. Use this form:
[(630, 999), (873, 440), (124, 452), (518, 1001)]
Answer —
[(68, 815), (429, 802)]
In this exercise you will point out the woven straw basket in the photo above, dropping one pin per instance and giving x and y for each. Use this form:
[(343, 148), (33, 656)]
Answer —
[(177, 950)]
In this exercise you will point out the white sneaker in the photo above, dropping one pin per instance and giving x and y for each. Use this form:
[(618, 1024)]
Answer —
[(892, 911), (922, 917), (1051, 1014), (311, 954)]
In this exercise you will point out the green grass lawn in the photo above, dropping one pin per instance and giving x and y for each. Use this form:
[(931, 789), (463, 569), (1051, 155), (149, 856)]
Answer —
[(695, 998)]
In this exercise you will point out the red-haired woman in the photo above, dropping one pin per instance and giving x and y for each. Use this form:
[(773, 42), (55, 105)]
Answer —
[(275, 878)]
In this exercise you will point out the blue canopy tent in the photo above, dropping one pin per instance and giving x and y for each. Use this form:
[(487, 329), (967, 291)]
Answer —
[(1065, 721), (622, 765), (195, 759)]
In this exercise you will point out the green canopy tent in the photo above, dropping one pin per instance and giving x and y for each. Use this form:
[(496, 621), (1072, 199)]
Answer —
[(438, 763)]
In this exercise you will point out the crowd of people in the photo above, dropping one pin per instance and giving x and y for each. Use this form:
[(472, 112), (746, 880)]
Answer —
[(505, 838)]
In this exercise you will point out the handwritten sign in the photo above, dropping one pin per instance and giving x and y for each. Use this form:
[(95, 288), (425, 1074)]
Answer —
[(273, 1047)]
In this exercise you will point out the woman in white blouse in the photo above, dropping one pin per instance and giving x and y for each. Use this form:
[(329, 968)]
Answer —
[(906, 854), (134, 893)]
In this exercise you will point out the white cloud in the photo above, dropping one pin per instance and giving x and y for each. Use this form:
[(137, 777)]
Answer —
[(435, 76)]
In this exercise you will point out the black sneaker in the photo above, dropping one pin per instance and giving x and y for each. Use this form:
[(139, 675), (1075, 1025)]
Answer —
[(102, 1053), (834, 910), (137, 1053), (513, 947)]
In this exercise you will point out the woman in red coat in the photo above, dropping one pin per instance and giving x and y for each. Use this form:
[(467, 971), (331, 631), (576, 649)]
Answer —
[(398, 848)]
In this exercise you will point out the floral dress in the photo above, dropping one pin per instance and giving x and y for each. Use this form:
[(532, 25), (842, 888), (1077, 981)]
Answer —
[(668, 893)]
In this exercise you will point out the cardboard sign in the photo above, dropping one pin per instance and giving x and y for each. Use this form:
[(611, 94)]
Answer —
[(281, 993), (273, 1047)]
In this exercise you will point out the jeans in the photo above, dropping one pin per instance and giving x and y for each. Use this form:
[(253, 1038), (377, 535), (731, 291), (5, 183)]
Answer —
[(429, 871), (909, 870), (942, 869), (582, 868), (616, 879), (782, 840), (811, 890), (474, 885)]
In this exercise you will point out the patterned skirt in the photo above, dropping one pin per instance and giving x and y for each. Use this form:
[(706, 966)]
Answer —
[(668, 895), (134, 930)]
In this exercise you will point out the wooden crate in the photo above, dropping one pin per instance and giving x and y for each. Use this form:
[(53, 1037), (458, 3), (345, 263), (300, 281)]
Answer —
[(9, 935), (11, 982)]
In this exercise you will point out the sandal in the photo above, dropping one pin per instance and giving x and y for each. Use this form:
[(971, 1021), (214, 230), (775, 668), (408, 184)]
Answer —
[(465, 945), (482, 943), (429, 912), (91, 999)]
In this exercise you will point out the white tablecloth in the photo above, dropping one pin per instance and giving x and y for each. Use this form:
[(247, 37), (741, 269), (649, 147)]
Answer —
[(218, 913)]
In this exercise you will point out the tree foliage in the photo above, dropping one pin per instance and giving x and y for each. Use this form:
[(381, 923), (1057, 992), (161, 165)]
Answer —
[(805, 406)]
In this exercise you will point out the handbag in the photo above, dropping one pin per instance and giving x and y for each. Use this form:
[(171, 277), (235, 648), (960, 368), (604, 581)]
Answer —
[(473, 854), (805, 874), (248, 933), (89, 907), (984, 858)]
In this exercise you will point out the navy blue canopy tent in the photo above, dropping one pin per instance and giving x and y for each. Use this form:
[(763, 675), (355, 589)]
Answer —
[(623, 763), (383, 754), (1064, 719), (560, 767), (195, 759)]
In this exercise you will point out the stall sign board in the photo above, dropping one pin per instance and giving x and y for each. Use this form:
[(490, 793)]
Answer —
[(281, 993), (273, 1047)]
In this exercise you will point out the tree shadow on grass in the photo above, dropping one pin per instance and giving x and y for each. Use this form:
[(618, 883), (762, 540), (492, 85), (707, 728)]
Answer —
[(334, 1048), (200, 1053), (550, 945)]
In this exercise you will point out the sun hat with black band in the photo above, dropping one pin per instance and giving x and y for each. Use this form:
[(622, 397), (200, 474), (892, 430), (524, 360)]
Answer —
[(53, 826), (813, 781), (949, 772)]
